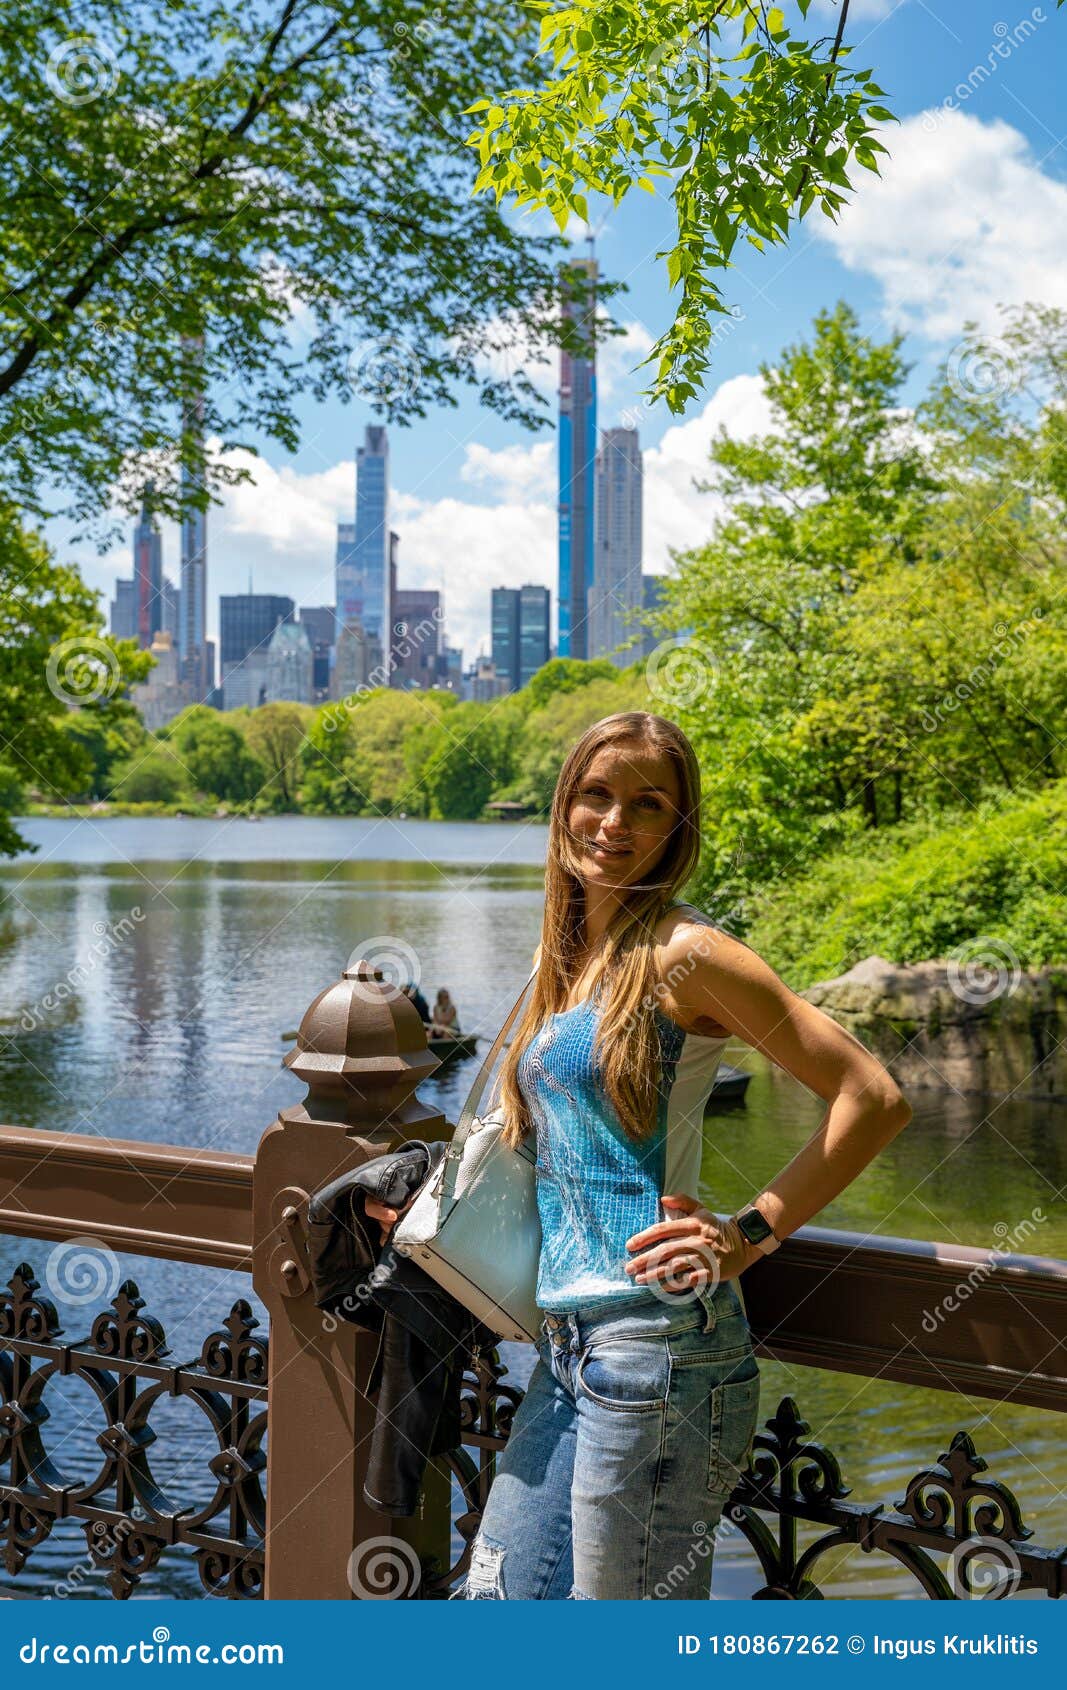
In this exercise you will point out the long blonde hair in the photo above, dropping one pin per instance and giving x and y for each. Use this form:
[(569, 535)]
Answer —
[(627, 1039)]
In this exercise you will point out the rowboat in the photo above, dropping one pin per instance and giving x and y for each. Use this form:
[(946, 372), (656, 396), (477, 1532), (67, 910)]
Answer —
[(450, 1047), (730, 1086)]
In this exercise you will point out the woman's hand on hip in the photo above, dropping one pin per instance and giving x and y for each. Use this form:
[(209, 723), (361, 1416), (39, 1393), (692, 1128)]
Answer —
[(692, 1248)]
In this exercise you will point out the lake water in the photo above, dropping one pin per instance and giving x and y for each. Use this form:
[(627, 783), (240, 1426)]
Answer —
[(225, 930)]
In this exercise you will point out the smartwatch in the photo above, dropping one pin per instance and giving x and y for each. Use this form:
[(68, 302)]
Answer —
[(757, 1229)]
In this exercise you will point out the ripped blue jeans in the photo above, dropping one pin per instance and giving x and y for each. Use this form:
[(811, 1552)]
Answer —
[(634, 1430)]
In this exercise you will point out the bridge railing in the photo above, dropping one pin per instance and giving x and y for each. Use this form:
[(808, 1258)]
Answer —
[(286, 1516)]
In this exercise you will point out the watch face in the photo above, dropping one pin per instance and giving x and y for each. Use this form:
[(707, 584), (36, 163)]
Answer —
[(754, 1226)]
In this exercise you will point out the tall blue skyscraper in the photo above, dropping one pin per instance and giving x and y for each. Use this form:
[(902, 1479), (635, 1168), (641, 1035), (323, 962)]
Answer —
[(363, 547), (577, 472)]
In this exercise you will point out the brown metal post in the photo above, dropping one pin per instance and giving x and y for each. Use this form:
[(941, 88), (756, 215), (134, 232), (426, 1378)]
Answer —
[(362, 1051)]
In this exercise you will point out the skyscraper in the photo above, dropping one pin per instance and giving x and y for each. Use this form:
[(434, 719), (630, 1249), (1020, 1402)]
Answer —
[(520, 632), (193, 643), (290, 665), (617, 591), (534, 627), (363, 547), (147, 575), (505, 633), (246, 623), (577, 469), (320, 620), (123, 620)]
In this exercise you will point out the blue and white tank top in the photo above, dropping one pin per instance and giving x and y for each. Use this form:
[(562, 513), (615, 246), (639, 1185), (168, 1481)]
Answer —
[(595, 1186)]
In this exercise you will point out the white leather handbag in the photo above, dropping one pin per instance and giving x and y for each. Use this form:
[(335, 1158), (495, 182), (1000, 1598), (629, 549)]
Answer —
[(474, 1226)]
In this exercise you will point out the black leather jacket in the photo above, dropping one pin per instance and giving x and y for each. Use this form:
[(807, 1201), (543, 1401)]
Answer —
[(426, 1336)]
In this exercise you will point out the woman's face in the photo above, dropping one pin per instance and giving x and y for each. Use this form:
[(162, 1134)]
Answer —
[(623, 812)]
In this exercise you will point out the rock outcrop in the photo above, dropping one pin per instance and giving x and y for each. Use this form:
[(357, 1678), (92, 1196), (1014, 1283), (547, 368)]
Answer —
[(981, 1025)]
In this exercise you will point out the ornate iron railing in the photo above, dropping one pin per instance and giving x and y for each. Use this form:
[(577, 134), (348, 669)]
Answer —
[(949, 1509), (127, 1515)]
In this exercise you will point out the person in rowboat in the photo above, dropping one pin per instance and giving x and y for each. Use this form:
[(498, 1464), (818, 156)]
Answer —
[(445, 1017)]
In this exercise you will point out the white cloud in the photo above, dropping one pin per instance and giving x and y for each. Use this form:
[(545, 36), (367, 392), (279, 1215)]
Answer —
[(513, 471), (955, 225), (676, 514)]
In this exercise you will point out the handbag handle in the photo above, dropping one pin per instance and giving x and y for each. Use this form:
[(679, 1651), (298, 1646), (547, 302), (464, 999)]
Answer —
[(468, 1114)]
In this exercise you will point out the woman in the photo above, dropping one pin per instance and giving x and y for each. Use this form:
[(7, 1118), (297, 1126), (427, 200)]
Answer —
[(640, 1412), (445, 1018)]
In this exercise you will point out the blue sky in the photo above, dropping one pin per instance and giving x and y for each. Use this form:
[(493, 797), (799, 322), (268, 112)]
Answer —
[(970, 210)]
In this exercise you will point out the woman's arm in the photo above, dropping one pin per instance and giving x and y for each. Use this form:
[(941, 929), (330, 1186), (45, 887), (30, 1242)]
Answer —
[(716, 976)]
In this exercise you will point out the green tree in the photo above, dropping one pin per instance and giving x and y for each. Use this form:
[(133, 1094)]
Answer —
[(749, 120), (362, 759), (876, 621), (155, 776), (216, 754), (472, 756), (565, 674), (56, 668), (276, 735), (109, 734), (250, 203)]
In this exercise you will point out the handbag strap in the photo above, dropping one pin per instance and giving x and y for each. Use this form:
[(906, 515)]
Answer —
[(468, 1114)]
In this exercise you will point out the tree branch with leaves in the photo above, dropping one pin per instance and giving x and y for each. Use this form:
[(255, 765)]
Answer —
[(745, 120)]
